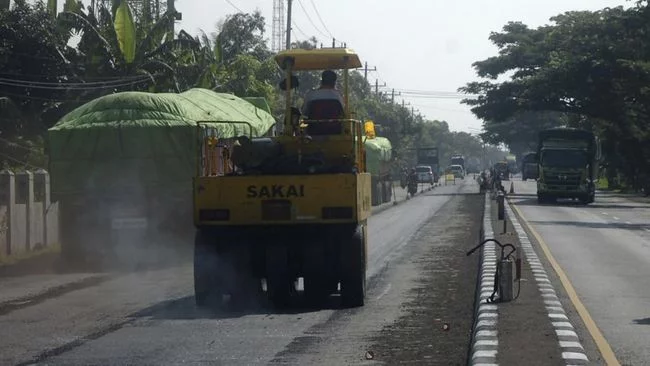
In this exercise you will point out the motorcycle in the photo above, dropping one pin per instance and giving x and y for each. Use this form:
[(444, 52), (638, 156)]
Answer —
[(482, 183), (412, 187)]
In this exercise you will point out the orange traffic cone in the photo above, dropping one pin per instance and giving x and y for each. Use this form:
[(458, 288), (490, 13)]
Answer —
[(512, 187)]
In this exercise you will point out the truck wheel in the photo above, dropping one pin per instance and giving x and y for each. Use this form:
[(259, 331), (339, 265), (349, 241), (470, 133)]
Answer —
[(353, 266), (388, 191), (207, 289), (280, 285), (317, 280), (376, 194)]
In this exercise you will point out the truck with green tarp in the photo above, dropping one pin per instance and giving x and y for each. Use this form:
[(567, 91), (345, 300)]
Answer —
[(122, 167), (379, 155)]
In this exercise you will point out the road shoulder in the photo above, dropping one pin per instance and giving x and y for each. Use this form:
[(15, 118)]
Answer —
[(571, 335), (526, 336)]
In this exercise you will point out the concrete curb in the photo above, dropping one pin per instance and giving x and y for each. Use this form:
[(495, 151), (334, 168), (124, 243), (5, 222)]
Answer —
[(572, 350), (485, 342)]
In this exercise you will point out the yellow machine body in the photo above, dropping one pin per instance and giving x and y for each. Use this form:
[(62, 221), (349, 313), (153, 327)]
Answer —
[(282, 199)]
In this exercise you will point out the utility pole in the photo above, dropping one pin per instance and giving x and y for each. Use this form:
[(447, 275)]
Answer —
[(365, 71), (289, 3), (392, 97), (377, 86)]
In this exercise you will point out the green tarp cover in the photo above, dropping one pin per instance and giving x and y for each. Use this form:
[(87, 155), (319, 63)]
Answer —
[(259, 103), (142, 139), (378, 150)]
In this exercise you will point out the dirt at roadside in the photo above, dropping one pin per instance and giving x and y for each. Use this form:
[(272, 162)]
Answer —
[(438, 310)]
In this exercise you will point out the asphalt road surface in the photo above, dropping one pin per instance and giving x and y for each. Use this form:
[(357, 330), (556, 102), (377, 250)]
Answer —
[(149, 317), (604, 249)]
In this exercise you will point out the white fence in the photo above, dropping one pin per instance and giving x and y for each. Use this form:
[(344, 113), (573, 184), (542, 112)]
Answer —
[(28, 219)]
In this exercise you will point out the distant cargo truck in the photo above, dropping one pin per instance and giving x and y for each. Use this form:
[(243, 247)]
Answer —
[(567, 164)]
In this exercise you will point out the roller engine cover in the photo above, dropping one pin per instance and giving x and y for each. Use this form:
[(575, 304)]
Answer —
[(251, 154)]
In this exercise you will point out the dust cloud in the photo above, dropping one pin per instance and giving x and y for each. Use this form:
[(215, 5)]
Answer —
[(130, 221)]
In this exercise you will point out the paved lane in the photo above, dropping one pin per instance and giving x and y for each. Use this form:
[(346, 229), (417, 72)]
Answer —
[(150, 318), (604, 248)]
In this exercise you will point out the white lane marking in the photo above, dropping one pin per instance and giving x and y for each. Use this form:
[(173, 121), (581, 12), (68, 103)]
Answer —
[(485, 354), (487, 342), (570, 344), (615, 218), (567, 337), (486, 333), (562, 325), (628, 223), (605, 213), (566, 333), (574, 356), (383, 293)]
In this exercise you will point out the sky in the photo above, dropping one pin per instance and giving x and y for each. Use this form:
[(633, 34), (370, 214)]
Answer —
[(422, 45)]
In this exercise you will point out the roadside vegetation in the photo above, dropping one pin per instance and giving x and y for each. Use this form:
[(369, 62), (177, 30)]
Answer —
[(587, 69), (53, 64)]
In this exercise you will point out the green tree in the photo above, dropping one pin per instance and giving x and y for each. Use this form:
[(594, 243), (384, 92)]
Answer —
[(34, 60), (590, 66), (243, 34)]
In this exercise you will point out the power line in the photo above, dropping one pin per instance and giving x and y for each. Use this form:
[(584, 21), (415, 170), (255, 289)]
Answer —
[(11, 143), (320, 18), (86, 84), (309, 18), (65, 87), (300, 30), (434, 96), (234, 6), (434, 93), (23, 163)]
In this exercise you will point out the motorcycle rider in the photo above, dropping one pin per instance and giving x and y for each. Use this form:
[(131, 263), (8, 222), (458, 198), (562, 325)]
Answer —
[(412, 179), (404, 177), (483, 181), (413, 176)]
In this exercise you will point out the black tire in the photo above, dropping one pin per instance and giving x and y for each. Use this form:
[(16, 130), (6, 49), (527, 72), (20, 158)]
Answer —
[(316, 290), (374, 195), (388, 191), (353, 268), (317, 282), (279, 283), (207, 289)]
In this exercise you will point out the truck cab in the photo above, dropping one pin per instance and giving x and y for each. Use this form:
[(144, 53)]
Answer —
[(567, 165)]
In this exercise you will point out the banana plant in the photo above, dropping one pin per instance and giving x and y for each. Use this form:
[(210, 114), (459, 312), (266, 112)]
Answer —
[(110, 47)]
